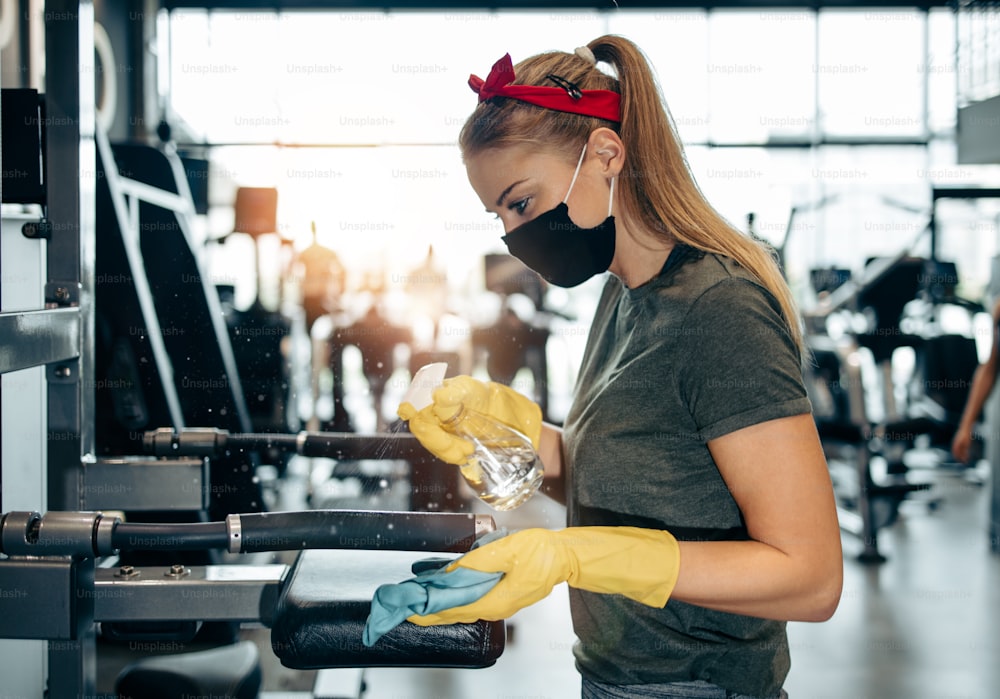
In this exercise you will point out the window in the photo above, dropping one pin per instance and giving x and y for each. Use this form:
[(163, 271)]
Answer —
[(373, 102)]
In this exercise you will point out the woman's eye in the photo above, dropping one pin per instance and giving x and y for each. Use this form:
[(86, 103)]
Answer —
[(519, 206)]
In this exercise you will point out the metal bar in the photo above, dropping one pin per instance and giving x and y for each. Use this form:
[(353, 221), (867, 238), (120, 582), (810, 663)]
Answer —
[(964, 192), (807, 142), (356, 529), (242, 593), (33, 338), (863, 523), (37, 599), (185, 216), (153, 195), (128, 226), (52, 598), (71, 209), (73, 662), (202, 441), (146, 484), (89, 534), (866, 508), (72, 179), (373, 6), (126, 196), (925, 101)]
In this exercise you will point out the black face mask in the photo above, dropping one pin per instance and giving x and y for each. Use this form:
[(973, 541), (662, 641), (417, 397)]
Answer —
[(559, 250)]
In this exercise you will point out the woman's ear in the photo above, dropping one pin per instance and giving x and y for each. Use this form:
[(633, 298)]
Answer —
[(608, 147)]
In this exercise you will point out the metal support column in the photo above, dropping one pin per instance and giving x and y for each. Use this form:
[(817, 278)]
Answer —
[(71, 208), (73, 662), (72, 176)]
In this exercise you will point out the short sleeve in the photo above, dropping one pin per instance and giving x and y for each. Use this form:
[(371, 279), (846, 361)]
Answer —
[(738, 365)]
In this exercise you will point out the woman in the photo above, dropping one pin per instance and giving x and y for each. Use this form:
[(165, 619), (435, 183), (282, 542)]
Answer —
[(701, 513)]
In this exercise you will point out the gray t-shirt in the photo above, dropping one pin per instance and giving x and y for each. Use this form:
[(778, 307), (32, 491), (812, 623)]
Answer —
[(696, 353)]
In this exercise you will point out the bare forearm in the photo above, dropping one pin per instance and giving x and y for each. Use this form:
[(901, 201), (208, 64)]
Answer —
[(550, 452), (982, 384), (756, 579), (791, 568)]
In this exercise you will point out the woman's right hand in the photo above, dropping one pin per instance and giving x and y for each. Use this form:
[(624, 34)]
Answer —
[(495, 400)]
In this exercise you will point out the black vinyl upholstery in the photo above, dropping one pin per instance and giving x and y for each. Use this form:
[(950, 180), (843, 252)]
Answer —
[(326, 601)]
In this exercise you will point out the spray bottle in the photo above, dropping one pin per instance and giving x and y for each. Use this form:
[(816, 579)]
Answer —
[(504, 470)]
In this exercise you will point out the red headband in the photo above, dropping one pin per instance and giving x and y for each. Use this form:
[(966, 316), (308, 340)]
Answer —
[(603, 104)]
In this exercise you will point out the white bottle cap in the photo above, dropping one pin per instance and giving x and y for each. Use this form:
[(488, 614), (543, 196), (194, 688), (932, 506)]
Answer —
[(420, 394)]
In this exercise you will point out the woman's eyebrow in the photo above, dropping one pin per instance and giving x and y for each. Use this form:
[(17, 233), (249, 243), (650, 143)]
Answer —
[(506, 192)]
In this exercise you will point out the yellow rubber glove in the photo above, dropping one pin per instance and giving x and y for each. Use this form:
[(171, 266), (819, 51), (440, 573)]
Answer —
[(487, 398), (641, 564)]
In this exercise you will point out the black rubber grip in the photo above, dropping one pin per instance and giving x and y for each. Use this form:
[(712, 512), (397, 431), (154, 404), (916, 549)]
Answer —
[(194, 536), (332, 445), (354, 529), (338, 445)]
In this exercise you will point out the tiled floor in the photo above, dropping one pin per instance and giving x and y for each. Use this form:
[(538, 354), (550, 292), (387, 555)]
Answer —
[(923, 625)]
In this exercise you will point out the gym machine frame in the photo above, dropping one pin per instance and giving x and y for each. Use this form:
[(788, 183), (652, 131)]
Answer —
[(54, 580), (60, 336), (53, 590)]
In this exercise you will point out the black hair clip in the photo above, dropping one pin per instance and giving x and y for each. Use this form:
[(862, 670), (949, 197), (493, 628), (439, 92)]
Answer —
[(571, 89)]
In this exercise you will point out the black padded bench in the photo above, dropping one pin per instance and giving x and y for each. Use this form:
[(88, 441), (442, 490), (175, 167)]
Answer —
[(317, 624), (327, 597)]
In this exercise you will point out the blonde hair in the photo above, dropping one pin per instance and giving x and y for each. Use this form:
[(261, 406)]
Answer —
[(656, 185)]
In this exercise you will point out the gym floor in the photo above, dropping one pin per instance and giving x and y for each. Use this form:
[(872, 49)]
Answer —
[(923, 624)]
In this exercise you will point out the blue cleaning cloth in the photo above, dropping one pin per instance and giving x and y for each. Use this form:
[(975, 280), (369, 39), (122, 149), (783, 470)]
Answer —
[(432, 590)]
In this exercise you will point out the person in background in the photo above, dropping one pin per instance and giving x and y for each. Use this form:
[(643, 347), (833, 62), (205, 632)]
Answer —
[(701, 516), (322, 279), (983, 381), (427, 292)]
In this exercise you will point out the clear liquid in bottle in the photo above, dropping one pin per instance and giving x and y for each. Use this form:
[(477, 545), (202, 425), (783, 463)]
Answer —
[(504, 470)]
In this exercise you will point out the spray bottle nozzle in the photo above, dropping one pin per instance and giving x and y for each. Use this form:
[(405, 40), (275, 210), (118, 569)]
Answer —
[(420, 394)]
